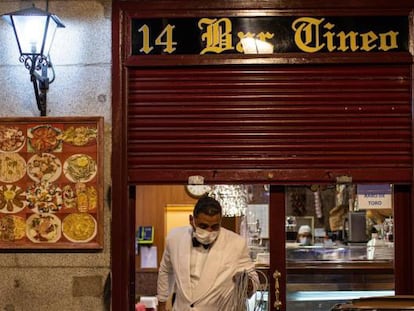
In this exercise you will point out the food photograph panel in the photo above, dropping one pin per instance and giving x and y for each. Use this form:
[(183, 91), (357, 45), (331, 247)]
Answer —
[(51, 183)]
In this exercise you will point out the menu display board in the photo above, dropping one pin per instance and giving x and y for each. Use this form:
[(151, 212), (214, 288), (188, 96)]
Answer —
[(51, 183)]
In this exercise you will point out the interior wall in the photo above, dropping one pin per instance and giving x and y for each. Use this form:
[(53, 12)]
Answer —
[(151, 205), (151, 201), (176, 215)]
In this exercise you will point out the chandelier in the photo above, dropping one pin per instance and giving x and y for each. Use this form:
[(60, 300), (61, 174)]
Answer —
[(233, 199)]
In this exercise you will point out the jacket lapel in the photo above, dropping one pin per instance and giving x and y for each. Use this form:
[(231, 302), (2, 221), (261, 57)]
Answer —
[(183, 273), (212, 265)]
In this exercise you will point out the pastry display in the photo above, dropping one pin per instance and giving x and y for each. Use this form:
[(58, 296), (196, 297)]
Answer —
[(80, 168), (68, 197), (49, 179), (12, 228), (79, 136), (12, 139), (43, 228), (44, 138), (12, 199), (44, 167), (79, 227), (44, 197), (12, 167)]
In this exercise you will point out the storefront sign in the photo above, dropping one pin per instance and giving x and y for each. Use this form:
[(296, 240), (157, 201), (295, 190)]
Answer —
[(374, 196), (268, 35)]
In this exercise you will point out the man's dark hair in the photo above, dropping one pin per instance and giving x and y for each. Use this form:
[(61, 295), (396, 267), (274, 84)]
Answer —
[(207, 205)]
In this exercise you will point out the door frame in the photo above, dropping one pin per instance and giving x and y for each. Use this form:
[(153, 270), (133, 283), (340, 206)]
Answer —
[(122, 208)]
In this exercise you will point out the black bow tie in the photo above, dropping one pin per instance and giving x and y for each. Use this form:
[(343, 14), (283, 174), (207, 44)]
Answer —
[(196, 243)]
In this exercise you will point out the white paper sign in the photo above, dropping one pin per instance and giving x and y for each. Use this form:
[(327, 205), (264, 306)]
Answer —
[(374, 196), (148, 256)]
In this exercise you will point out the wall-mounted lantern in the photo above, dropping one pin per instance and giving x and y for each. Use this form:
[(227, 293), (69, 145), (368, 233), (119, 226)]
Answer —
[(34, 30)]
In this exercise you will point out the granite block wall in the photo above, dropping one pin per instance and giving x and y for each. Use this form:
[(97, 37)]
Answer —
[(81, 54)]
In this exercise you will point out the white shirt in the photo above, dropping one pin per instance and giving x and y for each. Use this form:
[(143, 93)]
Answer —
[(197, 260)]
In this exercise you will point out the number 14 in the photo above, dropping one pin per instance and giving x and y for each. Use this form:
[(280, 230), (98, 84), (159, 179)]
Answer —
[(165, 38)]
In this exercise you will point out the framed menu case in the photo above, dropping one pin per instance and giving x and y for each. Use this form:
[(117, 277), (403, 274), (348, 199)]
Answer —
[(51, 183)]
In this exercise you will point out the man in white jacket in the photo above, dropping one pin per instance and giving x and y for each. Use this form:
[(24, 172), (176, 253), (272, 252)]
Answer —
[(204, 266)]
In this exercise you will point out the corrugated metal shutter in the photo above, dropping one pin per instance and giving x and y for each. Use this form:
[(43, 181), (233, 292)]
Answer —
[(185, 120)]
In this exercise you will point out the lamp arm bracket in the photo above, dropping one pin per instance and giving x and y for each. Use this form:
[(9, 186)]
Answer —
[(40, 90), (43, 80)]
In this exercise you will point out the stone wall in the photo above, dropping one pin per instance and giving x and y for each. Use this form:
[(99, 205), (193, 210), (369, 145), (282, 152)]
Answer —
[(81, 54)]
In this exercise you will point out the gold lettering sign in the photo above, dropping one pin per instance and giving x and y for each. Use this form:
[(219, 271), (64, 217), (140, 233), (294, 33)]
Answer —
[(313, 34), (269, 35), (217, 35)]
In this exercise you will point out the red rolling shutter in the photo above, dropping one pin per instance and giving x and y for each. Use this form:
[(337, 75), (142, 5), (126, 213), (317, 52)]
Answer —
[(248, 122)]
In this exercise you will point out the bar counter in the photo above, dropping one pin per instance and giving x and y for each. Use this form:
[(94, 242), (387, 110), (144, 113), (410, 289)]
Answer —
[(339, 268)]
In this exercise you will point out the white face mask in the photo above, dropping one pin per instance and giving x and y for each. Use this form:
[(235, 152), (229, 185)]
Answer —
[(204, 236), (304, 241)]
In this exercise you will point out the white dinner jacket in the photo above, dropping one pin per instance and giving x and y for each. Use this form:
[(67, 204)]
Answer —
[(228, 255)]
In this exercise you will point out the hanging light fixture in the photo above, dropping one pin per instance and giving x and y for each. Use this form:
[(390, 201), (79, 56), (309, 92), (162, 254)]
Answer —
[(34, 30), (233, 199)]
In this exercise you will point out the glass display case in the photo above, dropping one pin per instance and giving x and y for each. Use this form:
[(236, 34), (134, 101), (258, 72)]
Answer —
[(351, 253)]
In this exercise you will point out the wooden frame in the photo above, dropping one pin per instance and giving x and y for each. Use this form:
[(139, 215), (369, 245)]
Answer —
[(123, 252), (51, 183), (177, 215)]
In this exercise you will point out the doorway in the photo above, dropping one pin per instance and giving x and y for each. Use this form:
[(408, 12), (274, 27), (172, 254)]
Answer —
[(245, 211), (332, 249)]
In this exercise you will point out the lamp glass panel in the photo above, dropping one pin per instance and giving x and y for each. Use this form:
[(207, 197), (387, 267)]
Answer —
[(30, 31), (51, 30)]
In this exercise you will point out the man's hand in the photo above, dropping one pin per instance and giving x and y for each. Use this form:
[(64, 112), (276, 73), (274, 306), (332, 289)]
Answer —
[(238, 277), (250, 289)]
